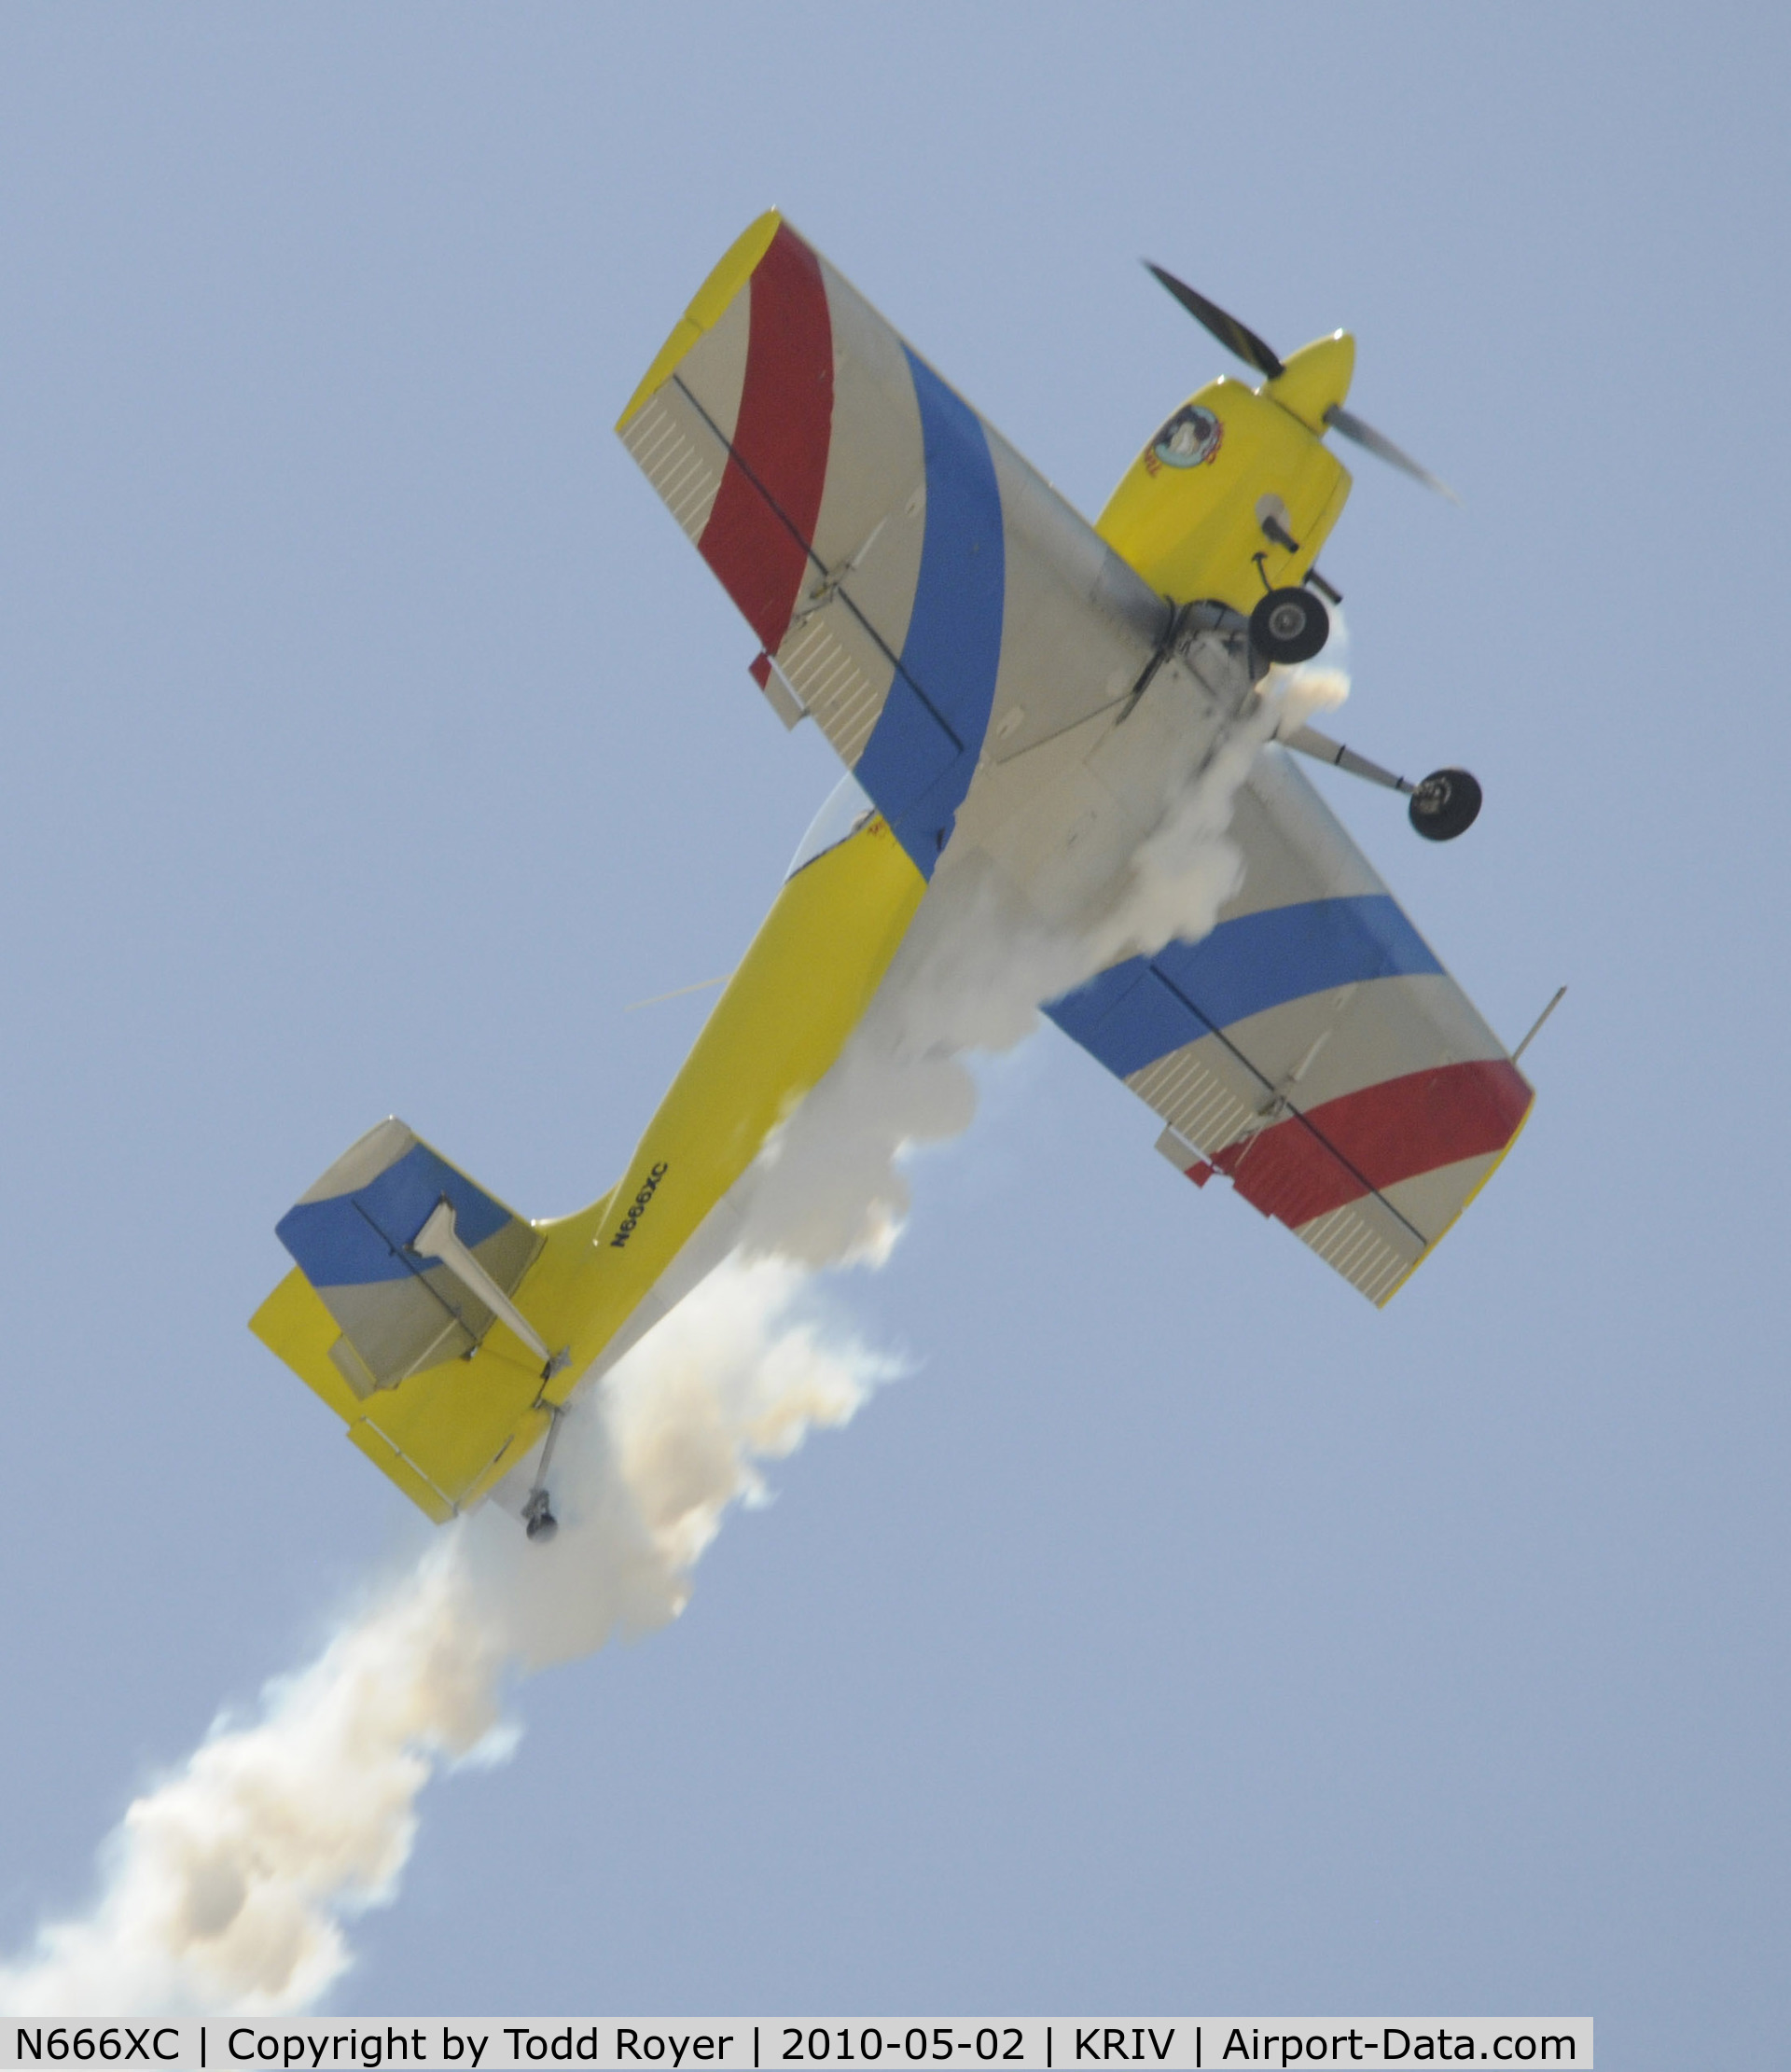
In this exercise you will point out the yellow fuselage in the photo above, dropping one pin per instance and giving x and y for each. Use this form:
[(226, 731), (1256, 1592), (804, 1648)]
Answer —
[(446, 1433)]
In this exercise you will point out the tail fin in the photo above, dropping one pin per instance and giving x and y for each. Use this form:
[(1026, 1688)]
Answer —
[(354, 1236), (385, 1328)]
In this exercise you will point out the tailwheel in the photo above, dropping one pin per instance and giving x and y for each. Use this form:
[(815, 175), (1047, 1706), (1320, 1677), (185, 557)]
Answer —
[(1445, 806), (537, 1513), (1289, 626)]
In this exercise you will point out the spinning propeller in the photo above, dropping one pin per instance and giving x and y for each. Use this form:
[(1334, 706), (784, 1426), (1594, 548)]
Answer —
[(1254, 351)]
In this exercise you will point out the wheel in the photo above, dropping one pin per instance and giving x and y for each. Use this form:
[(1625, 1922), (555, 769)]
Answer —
[(542, 1526), (1445, 806), (1289, 626)]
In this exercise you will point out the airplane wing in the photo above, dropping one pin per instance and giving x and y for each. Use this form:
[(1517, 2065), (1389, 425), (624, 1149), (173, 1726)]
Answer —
[(945, 617), (1312, 1047), (914, 584)]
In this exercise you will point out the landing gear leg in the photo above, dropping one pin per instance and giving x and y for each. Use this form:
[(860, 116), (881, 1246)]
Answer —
[(537, 1512), (1445, 806)]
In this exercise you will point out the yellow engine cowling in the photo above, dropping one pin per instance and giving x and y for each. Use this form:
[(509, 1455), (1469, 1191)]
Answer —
[(1188, 513)]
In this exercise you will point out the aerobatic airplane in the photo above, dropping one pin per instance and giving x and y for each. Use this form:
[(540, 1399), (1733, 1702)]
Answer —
[(1010, 689)]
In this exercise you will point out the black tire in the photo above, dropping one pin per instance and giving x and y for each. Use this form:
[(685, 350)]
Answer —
[(542, 1527), (1445, 806), (1289, 626)]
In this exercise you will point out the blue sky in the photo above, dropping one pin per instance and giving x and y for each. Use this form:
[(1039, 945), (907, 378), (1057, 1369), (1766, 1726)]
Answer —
[(1181, 1631)]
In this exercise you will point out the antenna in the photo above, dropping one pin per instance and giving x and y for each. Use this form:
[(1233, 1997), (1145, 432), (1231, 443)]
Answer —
[(1560, 995)]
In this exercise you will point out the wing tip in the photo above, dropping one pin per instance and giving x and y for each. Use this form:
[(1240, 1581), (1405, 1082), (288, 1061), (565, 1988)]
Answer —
[(1468, 1200), (726, 279)]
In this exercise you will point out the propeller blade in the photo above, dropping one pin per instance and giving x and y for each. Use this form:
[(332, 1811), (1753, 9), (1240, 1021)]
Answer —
[(1378, 443), (1237, 337)]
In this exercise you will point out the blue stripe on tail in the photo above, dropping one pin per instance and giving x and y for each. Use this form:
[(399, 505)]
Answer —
[(352, 1240)]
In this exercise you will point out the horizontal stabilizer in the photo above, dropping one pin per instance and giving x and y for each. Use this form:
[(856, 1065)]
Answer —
[(401, 1307)]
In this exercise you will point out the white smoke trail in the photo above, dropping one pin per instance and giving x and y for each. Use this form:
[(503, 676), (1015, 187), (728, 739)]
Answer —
[(223, 1885), (972, 975), (230, 1885)]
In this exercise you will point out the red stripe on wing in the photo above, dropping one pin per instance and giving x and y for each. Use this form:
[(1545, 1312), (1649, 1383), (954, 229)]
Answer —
[(762, 524), (1310, 1164)]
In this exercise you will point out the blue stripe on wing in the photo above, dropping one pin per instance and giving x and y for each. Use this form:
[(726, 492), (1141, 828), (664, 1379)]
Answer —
[(1141, 1010), (921, 754)]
